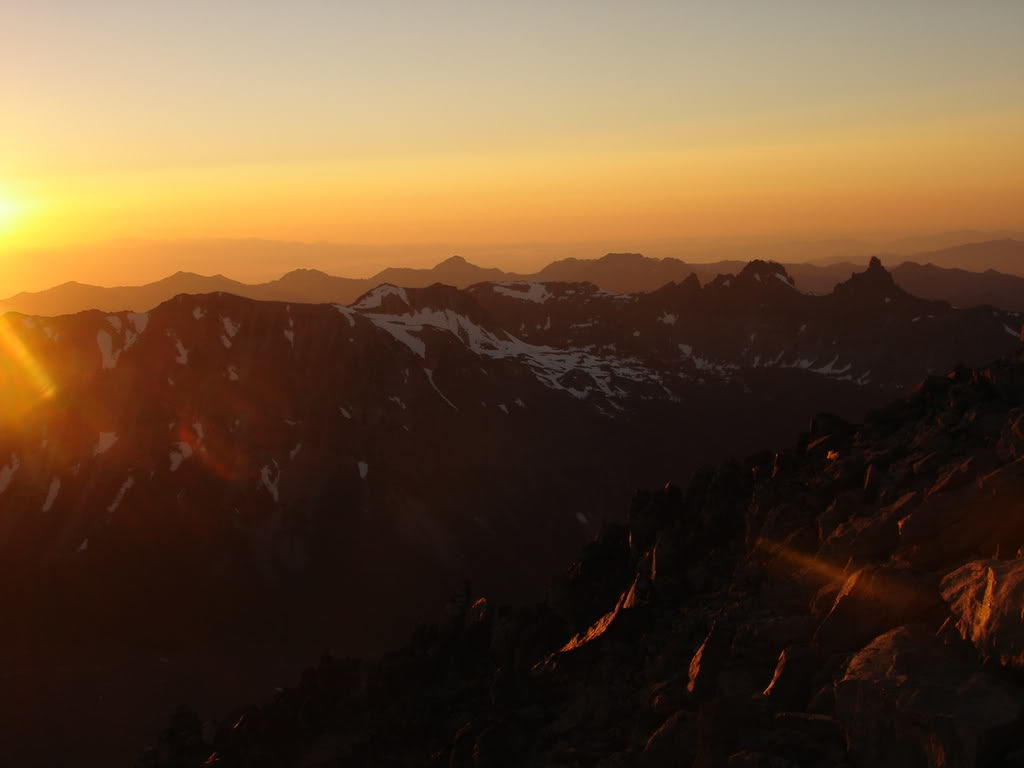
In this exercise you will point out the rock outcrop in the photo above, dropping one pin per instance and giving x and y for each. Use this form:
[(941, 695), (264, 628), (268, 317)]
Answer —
[(756, 618)]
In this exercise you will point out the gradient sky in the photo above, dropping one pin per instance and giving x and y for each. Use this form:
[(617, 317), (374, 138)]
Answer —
[(490, 122)]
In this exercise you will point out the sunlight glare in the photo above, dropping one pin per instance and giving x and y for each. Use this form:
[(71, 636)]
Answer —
[(9, 211)]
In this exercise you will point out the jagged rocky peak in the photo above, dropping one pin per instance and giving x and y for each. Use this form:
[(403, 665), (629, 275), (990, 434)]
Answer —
[(874, 282), (455, 262), (766, 274), (687, 287), (385, 299)]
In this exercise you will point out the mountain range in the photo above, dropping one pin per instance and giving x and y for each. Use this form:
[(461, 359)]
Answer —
[(200, 497), (995, 277)]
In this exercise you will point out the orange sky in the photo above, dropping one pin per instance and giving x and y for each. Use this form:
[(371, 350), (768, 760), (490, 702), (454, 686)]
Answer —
[(478, 123)]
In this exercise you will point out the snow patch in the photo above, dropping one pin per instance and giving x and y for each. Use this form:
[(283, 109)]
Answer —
[(668, 318), (344, 412), (348, 313), (830, 369), (198, 313), (104, 443), (139, 321), (230, 326), (375, 298), (1009, 330), (106, 344), (430, 378), (183, 452), (524, 291), (364, 469), (7, 472), (51, 494), (182, 357), (271, 486), (232, 373), (125, 486), (290, 335)]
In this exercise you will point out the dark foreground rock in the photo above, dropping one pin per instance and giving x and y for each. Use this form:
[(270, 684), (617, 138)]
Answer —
[(854, 600)]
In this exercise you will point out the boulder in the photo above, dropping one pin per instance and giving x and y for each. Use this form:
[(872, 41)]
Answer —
[(985, 597), (905, 700), (986, 518)]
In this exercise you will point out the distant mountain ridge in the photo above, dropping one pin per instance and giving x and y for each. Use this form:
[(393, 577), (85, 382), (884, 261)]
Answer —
[(619, 272)]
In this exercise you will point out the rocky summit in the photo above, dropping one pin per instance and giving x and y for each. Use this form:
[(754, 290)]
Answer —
[(852, 600)]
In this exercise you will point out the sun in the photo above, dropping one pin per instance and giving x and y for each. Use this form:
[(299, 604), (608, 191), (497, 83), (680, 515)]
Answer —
[(9, 211)]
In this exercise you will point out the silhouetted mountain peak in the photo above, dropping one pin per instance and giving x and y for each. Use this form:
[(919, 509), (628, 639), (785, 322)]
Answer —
[(453, 261), (757, 275), (765, 272), (304, 272), (622, 259), (874, 282), (677, 290)]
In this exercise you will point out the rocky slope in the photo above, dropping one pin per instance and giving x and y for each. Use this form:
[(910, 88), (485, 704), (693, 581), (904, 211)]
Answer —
[(617, 272), (184, 491), (851, 600)]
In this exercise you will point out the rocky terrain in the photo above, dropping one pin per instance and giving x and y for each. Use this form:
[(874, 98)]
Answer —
[(962, 276), (197, 499), (852, 600)]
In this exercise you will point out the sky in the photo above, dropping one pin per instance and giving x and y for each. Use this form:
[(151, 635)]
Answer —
[(396, 122)]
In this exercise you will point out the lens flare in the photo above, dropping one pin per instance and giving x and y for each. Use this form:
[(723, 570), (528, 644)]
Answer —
[(18, 366)]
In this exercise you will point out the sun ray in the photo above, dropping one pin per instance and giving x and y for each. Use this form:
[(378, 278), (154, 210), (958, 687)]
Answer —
[(17, 358)]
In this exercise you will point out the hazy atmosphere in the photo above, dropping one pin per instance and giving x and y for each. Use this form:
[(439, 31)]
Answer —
[(457, 124)]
